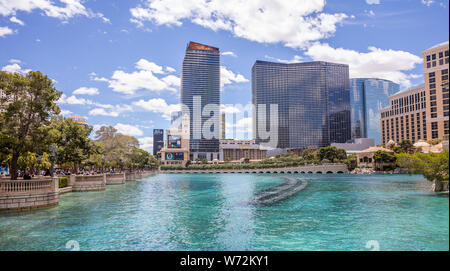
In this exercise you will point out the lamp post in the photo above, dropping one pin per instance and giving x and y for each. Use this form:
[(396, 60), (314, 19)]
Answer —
[(103, 163), (53, 149), (39, 160)]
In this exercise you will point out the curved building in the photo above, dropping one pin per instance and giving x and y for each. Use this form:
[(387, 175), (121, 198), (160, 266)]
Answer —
[(367, 97), (313, 102)]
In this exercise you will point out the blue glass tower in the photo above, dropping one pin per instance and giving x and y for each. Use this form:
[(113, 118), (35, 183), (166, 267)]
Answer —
[(200, 77), (313, 102), (367, 97)]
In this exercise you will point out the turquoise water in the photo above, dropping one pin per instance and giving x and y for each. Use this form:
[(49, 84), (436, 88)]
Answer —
[(210, 212)]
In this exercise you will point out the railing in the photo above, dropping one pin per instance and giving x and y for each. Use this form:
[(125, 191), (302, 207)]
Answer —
[(27, 186), (89, 178)]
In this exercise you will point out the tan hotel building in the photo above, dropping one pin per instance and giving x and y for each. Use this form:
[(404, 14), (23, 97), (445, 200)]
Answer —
[(421, 113), (436, 66), (405, 118)]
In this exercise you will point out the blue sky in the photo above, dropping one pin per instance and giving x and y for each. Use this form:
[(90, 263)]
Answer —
[(118, 62)]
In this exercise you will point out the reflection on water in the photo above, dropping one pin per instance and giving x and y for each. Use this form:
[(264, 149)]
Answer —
[(210, 212)]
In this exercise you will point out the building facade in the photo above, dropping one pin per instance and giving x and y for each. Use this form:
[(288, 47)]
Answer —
[(436, 66), (158, 140), (313, 102), (367, 97), (200, 79), (175, 120), (176, 148), (235, 150), (406, 117), (79, 120)]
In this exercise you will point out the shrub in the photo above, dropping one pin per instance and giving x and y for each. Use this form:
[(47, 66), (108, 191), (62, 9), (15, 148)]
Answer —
[(63, 182)]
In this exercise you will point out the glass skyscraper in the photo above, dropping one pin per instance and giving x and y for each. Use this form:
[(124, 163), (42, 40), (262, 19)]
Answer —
[(158, 140), (313, 102), (367, 97), (200, 78)]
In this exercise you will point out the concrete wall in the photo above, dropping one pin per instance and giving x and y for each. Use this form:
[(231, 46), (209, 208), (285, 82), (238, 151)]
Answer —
[(130, 176), (83, 183), (29, 194), (115, 178), (318, 169)]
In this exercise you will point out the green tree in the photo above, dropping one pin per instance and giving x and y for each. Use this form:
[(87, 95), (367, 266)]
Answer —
[(332, 154), (188, 163), (308, 155), (433, 166), (384, 160), (405, 146), (141, 159), (27, 160), (28, 103), (351, 162), (73, 142)]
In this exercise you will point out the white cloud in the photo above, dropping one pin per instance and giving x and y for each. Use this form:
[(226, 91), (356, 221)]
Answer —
[(146, 65), (170, 69), (127, 129), (294, 23), (384, 64), (427, 2), (158, 105), (228, 77), (296, 59), (242, 129), (113, 111), (15, 61), (143, 78), (13, 68), (17, 21), (86, 91), (65, 112), (73, 100), (65, 9), (146, 143), (229, 53), (4, 30), (229, 109), (373, 2)]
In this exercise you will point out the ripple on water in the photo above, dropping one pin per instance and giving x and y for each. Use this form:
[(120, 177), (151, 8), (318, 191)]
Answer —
[(210, 212)]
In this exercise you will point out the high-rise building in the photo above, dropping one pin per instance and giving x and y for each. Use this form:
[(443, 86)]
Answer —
[(158, 140), (405, 118), (175, 120), (367, 97), (200, 84), (436, 66), (313, 102), (222, 126)]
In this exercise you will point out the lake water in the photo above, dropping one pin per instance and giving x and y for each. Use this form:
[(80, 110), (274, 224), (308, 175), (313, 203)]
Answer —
[(211, 212)]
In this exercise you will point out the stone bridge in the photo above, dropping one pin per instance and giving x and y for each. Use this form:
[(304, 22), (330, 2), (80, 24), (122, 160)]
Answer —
[(310, 169)]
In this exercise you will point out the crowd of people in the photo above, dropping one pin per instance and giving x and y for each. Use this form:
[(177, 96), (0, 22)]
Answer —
[(28, 175)]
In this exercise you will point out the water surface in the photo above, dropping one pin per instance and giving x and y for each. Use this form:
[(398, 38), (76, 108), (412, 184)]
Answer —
[(211, 212)]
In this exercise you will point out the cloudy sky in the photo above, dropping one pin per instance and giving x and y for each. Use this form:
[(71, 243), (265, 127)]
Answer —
[(118, 62)]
